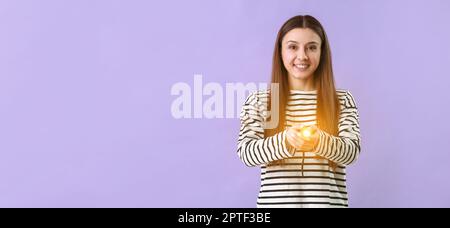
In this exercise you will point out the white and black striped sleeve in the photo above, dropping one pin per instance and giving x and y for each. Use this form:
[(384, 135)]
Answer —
[(343, 149), (253, 148)]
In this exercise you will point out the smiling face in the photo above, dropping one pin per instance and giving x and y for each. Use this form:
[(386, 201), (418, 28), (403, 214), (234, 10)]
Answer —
[(300, 51)]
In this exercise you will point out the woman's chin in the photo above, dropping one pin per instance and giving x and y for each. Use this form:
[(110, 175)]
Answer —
[(301, 76)]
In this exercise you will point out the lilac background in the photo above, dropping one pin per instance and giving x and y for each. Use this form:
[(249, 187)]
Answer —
[(85, 99)]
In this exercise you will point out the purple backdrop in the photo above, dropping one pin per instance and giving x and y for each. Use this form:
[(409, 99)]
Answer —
[(85, 118)]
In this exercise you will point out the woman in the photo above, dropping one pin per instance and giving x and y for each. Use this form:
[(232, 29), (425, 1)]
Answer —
[(317, 135)]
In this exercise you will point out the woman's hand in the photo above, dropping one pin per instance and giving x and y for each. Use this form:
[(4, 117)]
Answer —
[(302, 137)]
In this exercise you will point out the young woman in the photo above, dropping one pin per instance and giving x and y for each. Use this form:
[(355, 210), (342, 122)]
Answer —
[(303, 158)]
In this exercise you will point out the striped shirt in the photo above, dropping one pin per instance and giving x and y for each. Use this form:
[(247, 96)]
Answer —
[(305, 179)]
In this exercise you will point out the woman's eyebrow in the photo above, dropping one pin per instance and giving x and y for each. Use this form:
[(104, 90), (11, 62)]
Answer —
[(311, 42)]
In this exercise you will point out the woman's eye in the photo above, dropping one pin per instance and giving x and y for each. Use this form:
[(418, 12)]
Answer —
[(312, 48), (293, 47)]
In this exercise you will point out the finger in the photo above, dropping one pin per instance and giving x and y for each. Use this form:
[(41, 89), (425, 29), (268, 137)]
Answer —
[(294, 142), (295, 139), (315, 137), (314, 129), (292, 131), (291, 134), (291, 141), (297, 135), (289, 137)]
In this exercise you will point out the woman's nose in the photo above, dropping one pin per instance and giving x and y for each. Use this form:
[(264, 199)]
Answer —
[(302, 54)]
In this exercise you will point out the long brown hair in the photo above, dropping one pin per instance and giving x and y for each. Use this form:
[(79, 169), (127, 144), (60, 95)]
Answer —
[(328, 111)]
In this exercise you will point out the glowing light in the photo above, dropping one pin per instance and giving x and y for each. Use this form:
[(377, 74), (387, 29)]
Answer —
[(306, 132)]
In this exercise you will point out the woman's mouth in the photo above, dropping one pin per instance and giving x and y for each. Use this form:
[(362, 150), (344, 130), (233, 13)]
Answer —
[(301, 67)]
